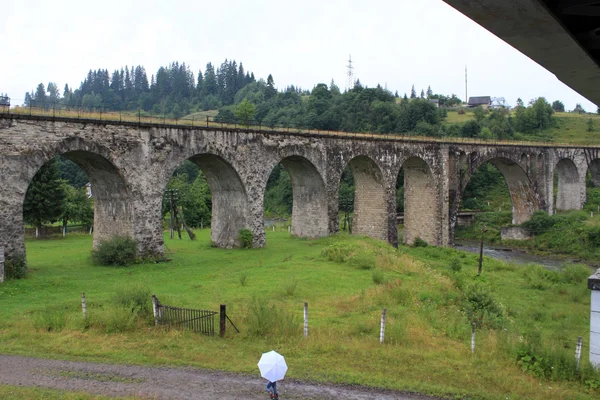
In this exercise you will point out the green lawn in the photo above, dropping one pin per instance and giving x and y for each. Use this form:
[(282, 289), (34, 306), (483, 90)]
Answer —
[(427, 346)]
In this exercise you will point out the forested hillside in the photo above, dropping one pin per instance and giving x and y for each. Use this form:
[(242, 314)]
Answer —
[(235, 95)]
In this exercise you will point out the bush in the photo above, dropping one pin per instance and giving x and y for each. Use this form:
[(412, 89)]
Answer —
[(337, 253), (245, 237), (364, 260), (119, 251), (455, 265), (593, 236), (481, 308), (541, 278), (16, 267), (420, 242), (574, 274), (539, 223)]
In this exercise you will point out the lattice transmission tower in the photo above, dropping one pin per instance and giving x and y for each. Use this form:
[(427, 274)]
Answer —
[(350, 81)]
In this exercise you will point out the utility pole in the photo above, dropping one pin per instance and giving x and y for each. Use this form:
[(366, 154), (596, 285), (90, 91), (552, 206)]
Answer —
[(481, 252), (466, 97)]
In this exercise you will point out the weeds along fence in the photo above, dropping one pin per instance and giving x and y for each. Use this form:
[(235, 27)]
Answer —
[(63, 112)]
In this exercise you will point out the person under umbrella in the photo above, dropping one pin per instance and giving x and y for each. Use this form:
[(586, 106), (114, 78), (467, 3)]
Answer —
[(272, 367)]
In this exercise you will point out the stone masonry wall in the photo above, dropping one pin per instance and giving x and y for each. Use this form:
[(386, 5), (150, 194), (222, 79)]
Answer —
[(130, 164)]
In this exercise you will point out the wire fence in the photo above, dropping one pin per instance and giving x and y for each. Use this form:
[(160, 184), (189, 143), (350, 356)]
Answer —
[(140, 117)]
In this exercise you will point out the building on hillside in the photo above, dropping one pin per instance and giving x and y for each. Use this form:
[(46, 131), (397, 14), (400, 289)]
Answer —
[(435, 102), (483, 101)]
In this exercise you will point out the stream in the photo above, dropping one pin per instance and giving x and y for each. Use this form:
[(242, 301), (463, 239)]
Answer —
[(518, 256)]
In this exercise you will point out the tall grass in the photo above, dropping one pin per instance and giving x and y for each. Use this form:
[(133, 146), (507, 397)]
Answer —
[(427, 332)]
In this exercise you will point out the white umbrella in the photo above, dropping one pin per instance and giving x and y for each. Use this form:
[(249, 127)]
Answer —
[(272, 366)]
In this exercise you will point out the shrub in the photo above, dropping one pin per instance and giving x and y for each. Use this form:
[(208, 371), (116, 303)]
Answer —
[(541, 278), (593, 236), (455, 265), (575, 273), (539, 223), (245, 237), (420, 242), (16, 267), (461, 111), (336, 253), (481, 308), (378, 277), (119, 251), (364, 260)]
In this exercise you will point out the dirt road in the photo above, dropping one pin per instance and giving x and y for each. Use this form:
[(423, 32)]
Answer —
[(170, 383)]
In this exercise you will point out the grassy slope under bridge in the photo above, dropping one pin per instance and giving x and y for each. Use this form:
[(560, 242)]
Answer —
[(427, 337)]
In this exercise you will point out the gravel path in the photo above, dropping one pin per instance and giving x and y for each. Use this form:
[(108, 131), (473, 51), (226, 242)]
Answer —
[(170, 383)]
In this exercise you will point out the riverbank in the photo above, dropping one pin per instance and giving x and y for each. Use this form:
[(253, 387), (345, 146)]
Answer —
[(571, 235)]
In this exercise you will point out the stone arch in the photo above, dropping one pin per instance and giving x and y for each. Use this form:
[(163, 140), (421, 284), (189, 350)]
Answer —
[(568, 195), (421, 205), (309, 209), (113, 214), (523, 197), (525, 160), (370, 205), (230, 210), (594, 169)]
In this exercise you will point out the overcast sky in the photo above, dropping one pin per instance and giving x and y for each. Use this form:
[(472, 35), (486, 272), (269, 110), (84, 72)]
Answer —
[(396, 43)]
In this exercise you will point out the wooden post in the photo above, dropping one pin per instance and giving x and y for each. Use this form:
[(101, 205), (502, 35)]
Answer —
[(222, 319), (305, 319), (473, 337), (481, 252), (578, 351), (382, 329), (155, 309), (83, 306)]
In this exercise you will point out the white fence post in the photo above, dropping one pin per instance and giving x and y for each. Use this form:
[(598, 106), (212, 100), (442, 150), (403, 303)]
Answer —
[(473, 338), (305, 319), (578, 351), (594, 286), (83, 305), (382, 329)]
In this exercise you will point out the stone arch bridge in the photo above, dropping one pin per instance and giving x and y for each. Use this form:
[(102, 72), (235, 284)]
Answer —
[(129, 165)]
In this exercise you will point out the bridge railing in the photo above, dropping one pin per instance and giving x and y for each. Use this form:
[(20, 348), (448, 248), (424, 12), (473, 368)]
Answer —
[(204, 120)]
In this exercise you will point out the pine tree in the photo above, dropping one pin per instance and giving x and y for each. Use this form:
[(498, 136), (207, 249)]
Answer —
[(422, 94), (429, 92), (44, 200), (413, 93), (40, 96), (271, 91), (210, 80)]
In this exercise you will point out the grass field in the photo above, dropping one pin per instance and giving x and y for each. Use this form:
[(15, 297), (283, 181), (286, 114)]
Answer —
[(347, 281)]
